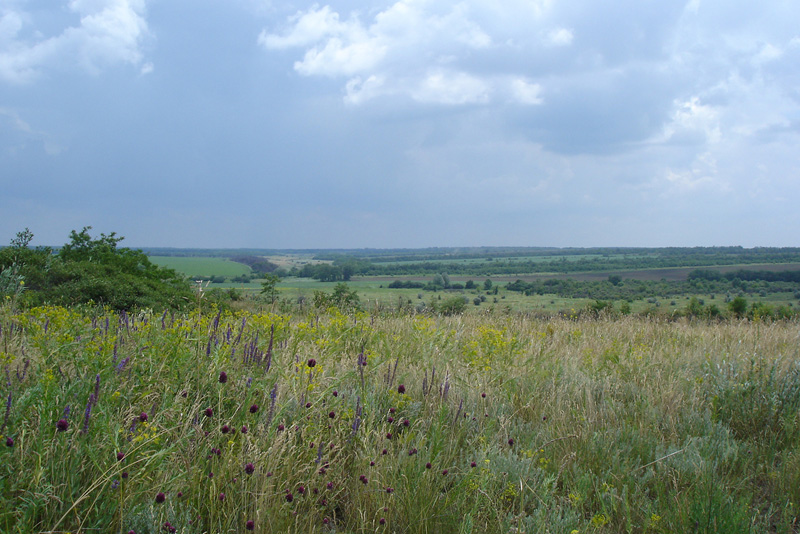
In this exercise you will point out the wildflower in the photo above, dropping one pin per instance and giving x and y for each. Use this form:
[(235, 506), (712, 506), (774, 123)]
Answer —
[(301, 490), (412, 452), (329, 485), (389, 490), (120, 456), (249, 468), (124, 475), (401, 389), (184, 393), (281, 428), (325, 520), (332, 414), (406, 422), (222, 496), (244, 430), (160, 497), (444, 473), (483, 395), (363, 479), (223, 377), (382, 521), (384, 452), (428, 465), (312, 362), (62, 425), (143, 417), (225, 429), (308, 405), (511, 442), (289, 497), (254, 408), (388, 435), (473, 464), (250, 525), (390, 419), (9, 442), (335, 393), (209, 412)]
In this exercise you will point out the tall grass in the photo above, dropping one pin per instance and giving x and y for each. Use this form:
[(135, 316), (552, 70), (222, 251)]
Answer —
[(389, 423)]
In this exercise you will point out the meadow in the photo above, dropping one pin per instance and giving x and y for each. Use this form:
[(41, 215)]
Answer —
[(312, 420)]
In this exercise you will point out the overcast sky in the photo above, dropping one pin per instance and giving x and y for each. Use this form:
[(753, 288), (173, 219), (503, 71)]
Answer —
[(410, 123)]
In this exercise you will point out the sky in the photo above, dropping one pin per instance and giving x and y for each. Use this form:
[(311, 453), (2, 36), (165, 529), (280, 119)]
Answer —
[(407, 123)]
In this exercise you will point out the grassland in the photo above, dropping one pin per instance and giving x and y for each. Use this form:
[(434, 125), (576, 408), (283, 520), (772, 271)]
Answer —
[(317, 421), (201, 266)]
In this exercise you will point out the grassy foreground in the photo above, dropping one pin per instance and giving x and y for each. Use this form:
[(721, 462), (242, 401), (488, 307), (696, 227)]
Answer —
[(332, 423)]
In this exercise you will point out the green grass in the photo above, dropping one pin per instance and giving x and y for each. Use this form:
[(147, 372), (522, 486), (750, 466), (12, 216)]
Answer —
[(201, 266), (528, 425)]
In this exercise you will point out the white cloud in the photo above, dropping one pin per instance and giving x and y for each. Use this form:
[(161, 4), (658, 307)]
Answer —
[(442, 87), (417, 48), (560, 37), (526, 92), (110, 32)]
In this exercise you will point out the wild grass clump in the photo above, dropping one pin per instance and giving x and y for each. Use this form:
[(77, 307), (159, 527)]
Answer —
[(233, 422)]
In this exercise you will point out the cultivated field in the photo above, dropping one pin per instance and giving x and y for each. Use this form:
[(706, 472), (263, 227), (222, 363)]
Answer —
[(384, 422)]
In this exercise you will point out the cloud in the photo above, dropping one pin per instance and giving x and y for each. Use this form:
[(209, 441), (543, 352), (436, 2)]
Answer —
[(109, 32), (417, 49)]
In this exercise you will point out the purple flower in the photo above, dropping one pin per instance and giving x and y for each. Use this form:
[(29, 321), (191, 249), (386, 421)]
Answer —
[(511, 442), (209, 412), (62, 425), (473, 464), (9, 442), (244, 430), (222, 496), (312, 362), (444, 473), (254, 408), (401, 389), (225, 429), (250, 525), (223, 377), (428, 465), (281, 428), (120, 456), (335, 393), (160, 497), (289, 497), (332, 414), (143, 417), (249, 468)]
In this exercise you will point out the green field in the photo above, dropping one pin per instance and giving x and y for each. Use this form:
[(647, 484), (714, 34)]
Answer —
[(201, 266), (322, 422)]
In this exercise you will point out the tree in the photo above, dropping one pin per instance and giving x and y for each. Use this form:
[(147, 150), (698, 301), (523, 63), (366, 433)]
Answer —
[(487, 285), (738, 306), (268, 287)]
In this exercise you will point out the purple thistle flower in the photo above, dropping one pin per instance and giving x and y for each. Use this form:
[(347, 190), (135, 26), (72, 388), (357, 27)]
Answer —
[(249, 468), (332, 414), (120, 456), (9, 442), (209, 412), (143, 417), (254, 408), (221, 496), (312, 362), (160, 497), (289, 497), (244, 430), (281, 428), (382, 521), (225, 429), (511, 442), (250, 525), (401, 389), (223, 377)]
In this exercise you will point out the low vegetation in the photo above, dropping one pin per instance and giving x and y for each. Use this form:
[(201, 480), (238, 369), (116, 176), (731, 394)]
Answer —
[(327, 421)]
